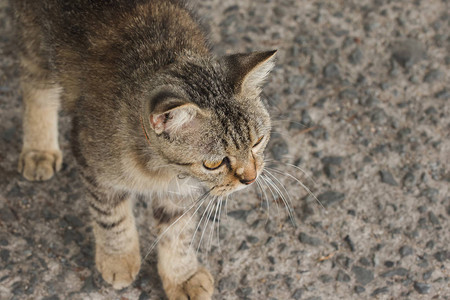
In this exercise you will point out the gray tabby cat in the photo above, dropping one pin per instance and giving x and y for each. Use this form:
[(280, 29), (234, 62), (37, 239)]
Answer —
[(154, 114)]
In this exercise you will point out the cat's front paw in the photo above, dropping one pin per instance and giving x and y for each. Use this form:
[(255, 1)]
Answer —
[(119, 270), (199, 286), (36, 165)]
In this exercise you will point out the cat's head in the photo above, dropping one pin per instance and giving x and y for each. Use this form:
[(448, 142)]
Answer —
[(206, 120)]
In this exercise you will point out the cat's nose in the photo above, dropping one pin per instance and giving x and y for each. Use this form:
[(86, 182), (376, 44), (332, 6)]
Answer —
[(247, 173), (247, 181)]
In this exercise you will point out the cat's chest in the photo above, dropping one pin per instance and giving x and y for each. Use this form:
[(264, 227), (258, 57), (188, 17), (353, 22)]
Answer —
[(183, 186), (163, 184)]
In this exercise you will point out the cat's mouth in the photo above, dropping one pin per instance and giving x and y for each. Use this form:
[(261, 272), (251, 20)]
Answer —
[(225, 190)]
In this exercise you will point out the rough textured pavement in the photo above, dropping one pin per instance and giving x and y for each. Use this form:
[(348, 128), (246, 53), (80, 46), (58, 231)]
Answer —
[(360, 102)]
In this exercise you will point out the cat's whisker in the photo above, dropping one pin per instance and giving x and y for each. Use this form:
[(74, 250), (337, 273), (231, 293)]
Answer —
[(270, 103), (200, 221), (282, 186), (191, 191), (218, 224), (281, 196), (293, 166), (211, 229), (206, 224), (213, 224), (264, 178), (226, 207), (287, 201), (178, 185), (173, 193), (299, 182), (190, 218), (205, 195), (274, 121), (265, 196), (282, 134)]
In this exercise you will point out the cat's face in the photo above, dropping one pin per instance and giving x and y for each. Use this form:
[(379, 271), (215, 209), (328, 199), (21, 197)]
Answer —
[(229, 154), (210, 123)]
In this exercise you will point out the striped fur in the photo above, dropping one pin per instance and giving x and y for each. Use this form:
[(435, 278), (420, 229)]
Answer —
[(149, 104)]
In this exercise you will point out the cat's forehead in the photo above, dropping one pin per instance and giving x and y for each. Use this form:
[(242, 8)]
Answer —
[(237, 132), (204, 79)]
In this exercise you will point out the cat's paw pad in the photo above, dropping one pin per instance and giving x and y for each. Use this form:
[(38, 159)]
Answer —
[(119, 270), (199, 286), (38, 165)]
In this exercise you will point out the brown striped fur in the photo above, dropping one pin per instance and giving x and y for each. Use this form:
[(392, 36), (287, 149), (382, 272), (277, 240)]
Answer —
[(150, 106)]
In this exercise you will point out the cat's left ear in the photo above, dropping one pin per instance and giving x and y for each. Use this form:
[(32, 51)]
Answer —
[(170, 114), (247, 72)]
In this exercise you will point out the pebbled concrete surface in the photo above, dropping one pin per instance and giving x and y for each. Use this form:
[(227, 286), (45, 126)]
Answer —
[(360, 102)]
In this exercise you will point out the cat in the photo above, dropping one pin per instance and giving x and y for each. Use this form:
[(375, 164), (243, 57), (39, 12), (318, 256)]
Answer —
[(154, 113)]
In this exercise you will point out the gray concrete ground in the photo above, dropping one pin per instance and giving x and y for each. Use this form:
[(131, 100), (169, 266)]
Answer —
[(360, 102)]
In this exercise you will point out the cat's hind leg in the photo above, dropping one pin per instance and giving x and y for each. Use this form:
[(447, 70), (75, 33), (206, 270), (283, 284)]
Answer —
[(41, 156), (183, 278)]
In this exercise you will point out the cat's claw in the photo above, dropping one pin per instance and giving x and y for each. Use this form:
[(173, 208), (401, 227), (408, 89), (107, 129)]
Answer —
[(200, 286), (37, 165), (119, 270)]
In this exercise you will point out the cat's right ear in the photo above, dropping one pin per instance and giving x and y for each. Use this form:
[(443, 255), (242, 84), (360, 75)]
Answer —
[(169, 113), (247, 72)]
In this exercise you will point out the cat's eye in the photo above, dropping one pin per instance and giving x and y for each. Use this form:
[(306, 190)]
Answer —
[(258, 141), (213, 165)]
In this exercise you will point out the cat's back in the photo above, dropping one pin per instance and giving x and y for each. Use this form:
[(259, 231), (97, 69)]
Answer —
[(97, 48), (92, 26)]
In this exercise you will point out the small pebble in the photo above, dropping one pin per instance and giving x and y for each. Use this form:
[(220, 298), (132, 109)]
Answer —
[(405, 251), (395, 272), (307, 239), (227, 283), (252, 239), (430, 244), (362, 275), (442, 256), (243, 246), (389, 264), (350, 243), (433, 219), (297, 294), (332, 160), (364, 261), (386, 177), (330, 197), (325, 278), (243, 292), (239, 214), (408, 52), (422, 288), (4, 255), (427, 275), (442, 94), (432, 76), (342, 276), (356, 56), (382, 290), (331, 71), (359, 289)]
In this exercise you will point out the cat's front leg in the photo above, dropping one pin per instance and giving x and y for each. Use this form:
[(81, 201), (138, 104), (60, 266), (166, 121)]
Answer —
[(117, 254), (178, 267)]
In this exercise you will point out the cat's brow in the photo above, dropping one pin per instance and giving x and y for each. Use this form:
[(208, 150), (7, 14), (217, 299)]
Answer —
[(174, 162)]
